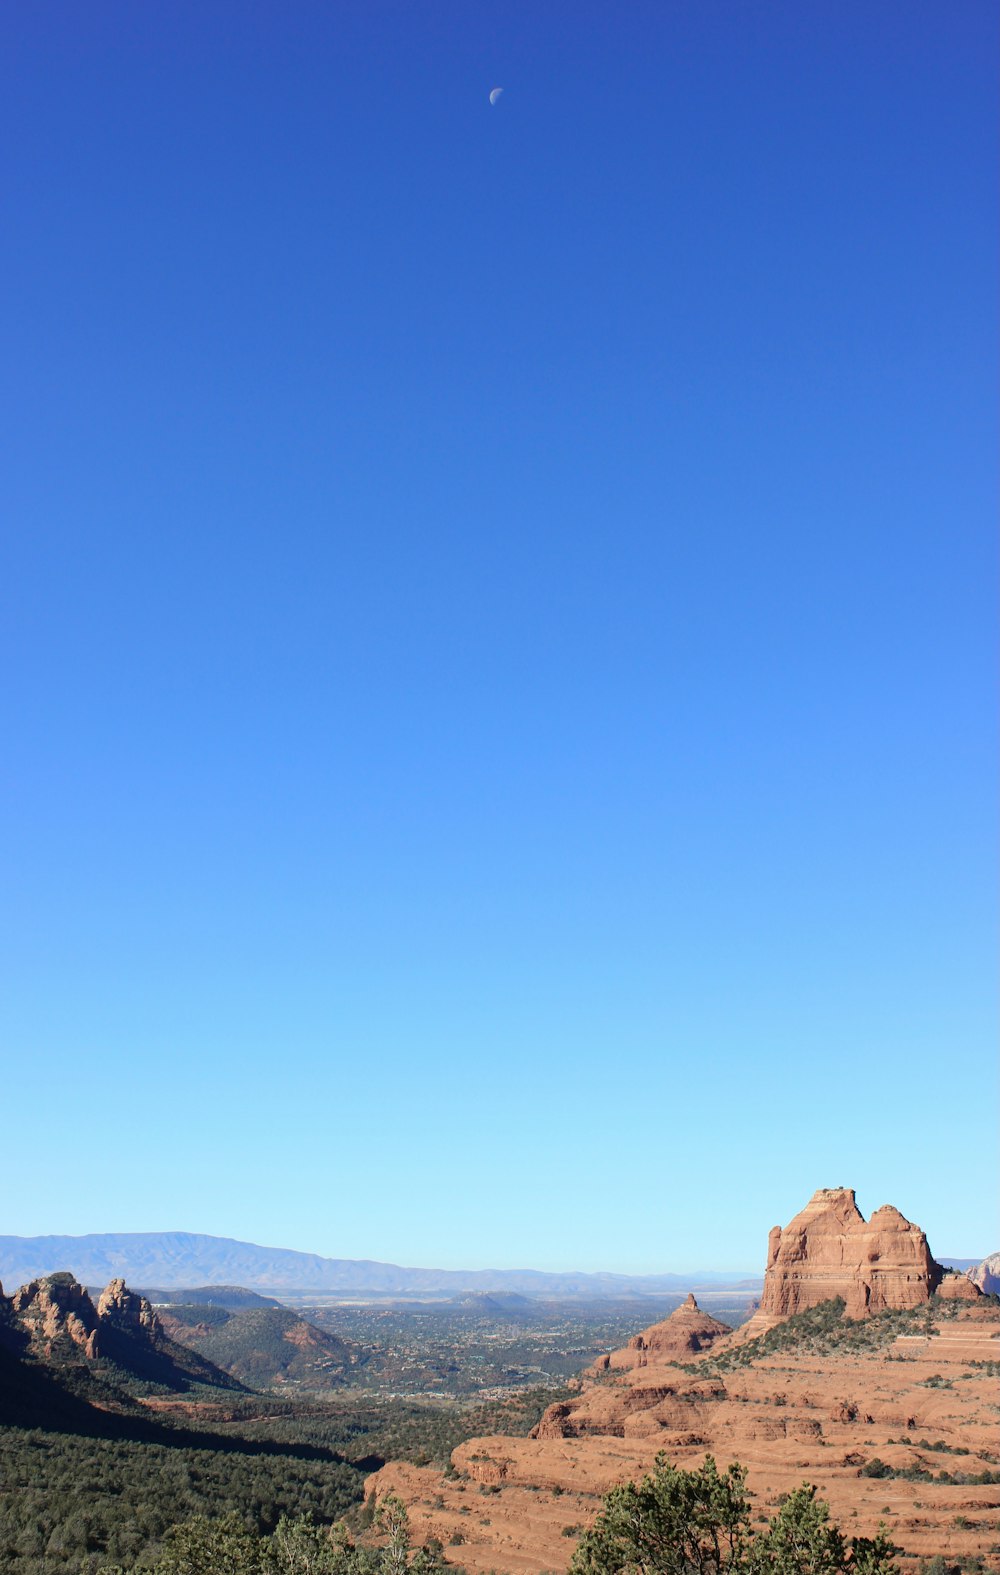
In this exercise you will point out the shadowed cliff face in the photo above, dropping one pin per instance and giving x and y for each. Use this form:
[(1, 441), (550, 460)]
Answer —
[(54, 1321)]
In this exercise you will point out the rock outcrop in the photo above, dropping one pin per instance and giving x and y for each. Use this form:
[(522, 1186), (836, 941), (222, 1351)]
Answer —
[(865, 1409), (958, 1287), (128, 1311), (57, 1315), (894, 1422), (830, 1250), (54, 1321), (987, 1275), (686, 1332)]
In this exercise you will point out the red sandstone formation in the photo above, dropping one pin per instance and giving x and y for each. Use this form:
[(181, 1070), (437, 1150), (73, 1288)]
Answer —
[(803, 1414), (830, 1250), (913, 1399), (687, 1331), (957, 1287)]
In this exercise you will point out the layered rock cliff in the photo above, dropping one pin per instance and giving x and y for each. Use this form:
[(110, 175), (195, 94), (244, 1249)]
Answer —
[(829, 1249), (987, 1275)]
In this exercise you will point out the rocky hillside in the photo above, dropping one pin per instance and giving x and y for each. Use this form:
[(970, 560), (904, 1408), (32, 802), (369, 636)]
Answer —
[(264, 1347), (57, 1316), (687, 1332), (53, 1321), (892, 1414)]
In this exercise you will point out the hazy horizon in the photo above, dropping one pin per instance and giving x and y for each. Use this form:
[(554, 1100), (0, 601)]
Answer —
[(705, 1266), (714, 1271), (284, 1247)]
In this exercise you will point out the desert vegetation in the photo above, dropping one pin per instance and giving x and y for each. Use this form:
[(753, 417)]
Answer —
[(676, 1522), (824, 1330)]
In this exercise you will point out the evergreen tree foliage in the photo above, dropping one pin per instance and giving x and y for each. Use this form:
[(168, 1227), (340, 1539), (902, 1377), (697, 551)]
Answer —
[(677, 1522), (296, 1547)]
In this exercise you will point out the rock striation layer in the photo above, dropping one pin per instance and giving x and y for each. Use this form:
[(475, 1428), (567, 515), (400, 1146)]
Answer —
[(829, 1249)]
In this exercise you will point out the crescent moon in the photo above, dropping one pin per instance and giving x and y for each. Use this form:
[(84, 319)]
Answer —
[(495, 94)]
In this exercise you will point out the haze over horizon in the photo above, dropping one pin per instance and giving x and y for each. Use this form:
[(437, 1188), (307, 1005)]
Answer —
[(499, 614), (180, 1258)]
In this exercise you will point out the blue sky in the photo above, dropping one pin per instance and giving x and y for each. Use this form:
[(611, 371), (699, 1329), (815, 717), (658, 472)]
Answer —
[(497, 619)]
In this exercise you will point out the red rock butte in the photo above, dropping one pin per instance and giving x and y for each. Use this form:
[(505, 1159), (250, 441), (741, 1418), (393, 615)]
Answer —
[(829, 1250), (863, 1406)]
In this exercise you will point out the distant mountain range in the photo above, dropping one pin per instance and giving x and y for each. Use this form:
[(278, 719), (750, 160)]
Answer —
[(172, 1259)]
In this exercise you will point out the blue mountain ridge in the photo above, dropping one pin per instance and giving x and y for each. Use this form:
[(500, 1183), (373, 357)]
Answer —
[(181, 1258)]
